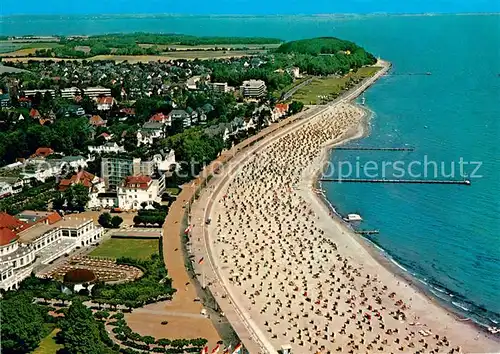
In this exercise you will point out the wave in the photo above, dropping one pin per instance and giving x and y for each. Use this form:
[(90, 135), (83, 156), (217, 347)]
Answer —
[(398, 265), (459, 305)]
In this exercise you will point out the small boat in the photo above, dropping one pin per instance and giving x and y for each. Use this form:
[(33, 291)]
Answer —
[(363, 100), (428, 73), (353, 217)]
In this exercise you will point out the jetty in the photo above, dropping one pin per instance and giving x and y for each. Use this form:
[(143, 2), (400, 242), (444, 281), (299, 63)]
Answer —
[(375, 148), (401, 181)]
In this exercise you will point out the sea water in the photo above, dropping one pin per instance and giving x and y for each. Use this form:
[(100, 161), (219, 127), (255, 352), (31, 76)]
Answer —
[(447, 236)]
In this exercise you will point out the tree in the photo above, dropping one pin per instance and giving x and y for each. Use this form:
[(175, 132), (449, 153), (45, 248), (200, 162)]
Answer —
[(296, 107), (77, 197), (22, 325), (116, 221), (80, 331), (105, 220)]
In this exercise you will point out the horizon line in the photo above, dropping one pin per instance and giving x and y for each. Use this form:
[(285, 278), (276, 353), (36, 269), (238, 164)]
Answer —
[(378, 13)]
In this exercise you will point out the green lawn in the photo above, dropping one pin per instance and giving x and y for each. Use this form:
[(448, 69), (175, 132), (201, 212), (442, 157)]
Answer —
[(323, 89), (173, 190), (48, 345), (119, 247)]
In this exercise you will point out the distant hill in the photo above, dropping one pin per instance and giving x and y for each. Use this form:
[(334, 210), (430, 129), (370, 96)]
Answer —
[(316, 46)]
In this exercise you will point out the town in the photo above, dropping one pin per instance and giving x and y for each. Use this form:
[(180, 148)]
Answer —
[(93, 156)]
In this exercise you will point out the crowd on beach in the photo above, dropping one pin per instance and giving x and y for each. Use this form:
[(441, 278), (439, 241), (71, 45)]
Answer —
[(295, 281)]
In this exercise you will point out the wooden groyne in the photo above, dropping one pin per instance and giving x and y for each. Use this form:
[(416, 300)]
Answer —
[(367, 232), (354, 148), (409, 181)]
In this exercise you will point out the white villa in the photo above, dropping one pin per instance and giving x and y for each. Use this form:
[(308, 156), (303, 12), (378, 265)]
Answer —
[(107, 148), (136, 190)]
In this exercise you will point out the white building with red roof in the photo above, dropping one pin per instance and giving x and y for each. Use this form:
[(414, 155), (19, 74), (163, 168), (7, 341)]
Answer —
[(136, 190)]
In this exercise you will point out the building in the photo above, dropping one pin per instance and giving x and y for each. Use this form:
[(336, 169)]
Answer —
[(136, 190), (35, 239), (192, 82), (32, 93), (221, 87), (97, 121), (5, 190), (105, 103), (180, 114), (16, 183), (106, 148), (42, 152), (5, 100), (115, 170), (89, 91), (41, 169), (94, 184), (253, 88)]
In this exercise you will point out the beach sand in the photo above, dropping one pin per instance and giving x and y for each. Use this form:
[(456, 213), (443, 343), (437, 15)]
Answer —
[(295, 271)]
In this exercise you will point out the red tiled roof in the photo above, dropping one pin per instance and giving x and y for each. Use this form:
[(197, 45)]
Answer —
[(43, 152), (7, 236), (53, 217), (11, 223), (282, 106), (96, 120), (25, 99), (83, 177), (105, 100), (158, 117), (34, 113), (141, 182), (105, 135)]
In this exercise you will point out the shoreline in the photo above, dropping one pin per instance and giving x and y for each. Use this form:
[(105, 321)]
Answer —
[(379, 254)]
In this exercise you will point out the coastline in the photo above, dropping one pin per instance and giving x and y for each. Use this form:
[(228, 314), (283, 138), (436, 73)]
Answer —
[(384, 259)]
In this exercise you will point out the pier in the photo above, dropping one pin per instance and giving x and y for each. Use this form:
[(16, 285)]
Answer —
[(376, 149), (409, 181)]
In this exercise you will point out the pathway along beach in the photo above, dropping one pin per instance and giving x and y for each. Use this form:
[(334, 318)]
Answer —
[(293, 272)]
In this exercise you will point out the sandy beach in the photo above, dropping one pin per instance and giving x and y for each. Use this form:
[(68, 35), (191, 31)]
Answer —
[(297, 273)]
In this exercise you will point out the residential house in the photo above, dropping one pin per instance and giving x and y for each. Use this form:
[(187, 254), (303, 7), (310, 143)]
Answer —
[(180, 114), (106, 136), (24, 102), (97, 121), (75, 162), (41, 169), (160, 118), (35, 114), (16, 183), (136, 190), (105, 103), (42, 152), (5, 190), (222, 129), (94, 184), (108, 147), (5, 100), (150, 130)]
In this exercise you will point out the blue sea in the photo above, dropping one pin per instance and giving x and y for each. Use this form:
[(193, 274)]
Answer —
[(448, 236)]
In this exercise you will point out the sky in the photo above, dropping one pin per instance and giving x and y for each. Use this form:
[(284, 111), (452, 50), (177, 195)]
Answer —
[(250, 7)]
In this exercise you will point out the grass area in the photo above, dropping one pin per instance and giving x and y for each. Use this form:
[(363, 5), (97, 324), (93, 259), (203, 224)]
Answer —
[(189, 55), (23, 49), (48, 345), (323, 89), (173, 190), (133, 248)]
